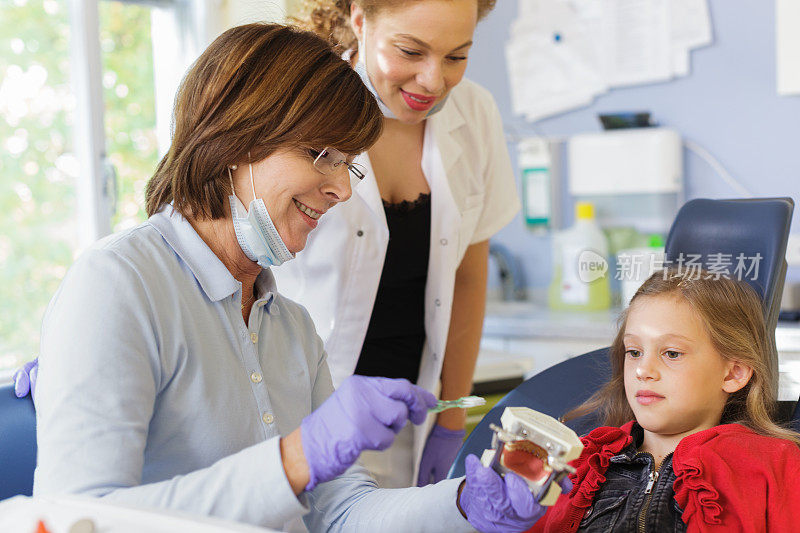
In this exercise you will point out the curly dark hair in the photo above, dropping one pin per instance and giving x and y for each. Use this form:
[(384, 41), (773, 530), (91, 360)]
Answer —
[(330, 19)]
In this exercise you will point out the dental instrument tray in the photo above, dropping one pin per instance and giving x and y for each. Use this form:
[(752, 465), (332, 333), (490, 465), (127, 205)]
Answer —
[(535, 446)]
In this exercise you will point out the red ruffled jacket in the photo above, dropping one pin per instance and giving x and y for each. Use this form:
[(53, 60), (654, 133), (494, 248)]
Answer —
[(728, 478)]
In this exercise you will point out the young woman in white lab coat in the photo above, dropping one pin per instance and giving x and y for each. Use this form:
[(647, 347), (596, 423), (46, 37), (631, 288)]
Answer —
[(395, 278)]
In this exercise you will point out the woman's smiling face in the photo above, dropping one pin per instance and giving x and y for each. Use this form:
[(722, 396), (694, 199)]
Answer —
[(294, 192), (417, 52)]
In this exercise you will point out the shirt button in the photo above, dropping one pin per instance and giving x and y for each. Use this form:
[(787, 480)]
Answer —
[(443, 242), (438, 302), (267, 418), (254, 337), (255, 377), (435, 356), (360, 233)]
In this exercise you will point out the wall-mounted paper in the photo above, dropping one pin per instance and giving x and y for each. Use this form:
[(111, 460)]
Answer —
[(564, 53), (691, 28), (787, 37), (636, 42)]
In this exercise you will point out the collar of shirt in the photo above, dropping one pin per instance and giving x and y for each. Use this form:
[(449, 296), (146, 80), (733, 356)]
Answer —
[(629, 453), (211, 273)]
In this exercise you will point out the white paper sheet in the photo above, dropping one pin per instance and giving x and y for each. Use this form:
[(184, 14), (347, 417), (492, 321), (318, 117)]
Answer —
[(555, 62), (787, 35), (636, 45), (680, 61), (563, 53), (690, 23)]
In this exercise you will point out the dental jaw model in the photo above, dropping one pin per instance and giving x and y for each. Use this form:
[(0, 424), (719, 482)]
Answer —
[(535, 446)]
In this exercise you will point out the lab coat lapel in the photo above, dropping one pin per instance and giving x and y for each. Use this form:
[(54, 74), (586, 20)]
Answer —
[(445, 124), (368, 191), (439, 154), (445, 221)]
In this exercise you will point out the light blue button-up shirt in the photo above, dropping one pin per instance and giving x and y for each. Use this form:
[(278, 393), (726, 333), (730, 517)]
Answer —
[(153, 391)]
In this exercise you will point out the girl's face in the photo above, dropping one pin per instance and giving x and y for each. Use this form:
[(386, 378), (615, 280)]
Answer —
[(294, 192), (675, 380), (417, 52)]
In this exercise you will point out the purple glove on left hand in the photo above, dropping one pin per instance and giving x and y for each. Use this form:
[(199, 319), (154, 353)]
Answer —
[(25, 378), (440, 452), (497, 504)]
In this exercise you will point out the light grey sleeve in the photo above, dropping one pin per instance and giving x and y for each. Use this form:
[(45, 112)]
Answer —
[(352, 502), (99, 376)]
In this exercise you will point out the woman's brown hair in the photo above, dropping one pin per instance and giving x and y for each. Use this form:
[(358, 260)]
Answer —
[(741, 336), (257, 88), (330, 19)]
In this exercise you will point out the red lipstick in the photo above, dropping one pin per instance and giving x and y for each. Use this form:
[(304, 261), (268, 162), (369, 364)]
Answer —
[(418, 102)]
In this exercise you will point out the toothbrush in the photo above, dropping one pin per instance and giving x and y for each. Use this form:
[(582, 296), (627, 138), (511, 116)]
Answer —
[(462, 403)]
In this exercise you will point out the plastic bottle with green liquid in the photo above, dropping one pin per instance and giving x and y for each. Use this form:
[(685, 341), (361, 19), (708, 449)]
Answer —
[(580, 265)]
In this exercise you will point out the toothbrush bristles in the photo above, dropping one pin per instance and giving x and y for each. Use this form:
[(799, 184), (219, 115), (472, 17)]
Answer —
[(472, 401), (463, 403)]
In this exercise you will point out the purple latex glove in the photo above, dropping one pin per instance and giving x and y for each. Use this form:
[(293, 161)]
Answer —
[(364, 413), (439, 453), (25, 378), (499, 504)]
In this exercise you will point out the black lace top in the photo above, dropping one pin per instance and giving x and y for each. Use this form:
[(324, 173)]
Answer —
[(396, 333)]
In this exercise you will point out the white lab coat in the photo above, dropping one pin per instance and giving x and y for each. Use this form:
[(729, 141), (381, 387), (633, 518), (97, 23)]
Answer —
[(473, 195)]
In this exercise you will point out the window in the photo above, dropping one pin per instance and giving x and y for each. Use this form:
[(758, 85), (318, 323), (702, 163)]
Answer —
[(129, 111), (38, 169), (73, 166)]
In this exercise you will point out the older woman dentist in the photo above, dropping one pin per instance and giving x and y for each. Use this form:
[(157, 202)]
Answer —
[(395, 279), (172, 372)]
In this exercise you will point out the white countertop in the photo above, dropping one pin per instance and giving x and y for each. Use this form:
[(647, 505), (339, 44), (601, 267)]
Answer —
[(529, 320), (521, 339)]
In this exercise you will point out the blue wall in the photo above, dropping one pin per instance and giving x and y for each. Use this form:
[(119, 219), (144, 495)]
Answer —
[(728, 104)]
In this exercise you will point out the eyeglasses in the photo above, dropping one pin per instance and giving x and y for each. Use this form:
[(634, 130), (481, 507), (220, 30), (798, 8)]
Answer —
[(330, 160)]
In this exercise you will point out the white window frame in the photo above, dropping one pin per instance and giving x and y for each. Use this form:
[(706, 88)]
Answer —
[(178, 35), (94, 219), (181, 30)]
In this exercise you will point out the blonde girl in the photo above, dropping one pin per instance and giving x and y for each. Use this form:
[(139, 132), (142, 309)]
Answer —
[(691, 443)]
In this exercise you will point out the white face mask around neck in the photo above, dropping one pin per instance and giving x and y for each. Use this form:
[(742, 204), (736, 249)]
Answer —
[(257, 235)]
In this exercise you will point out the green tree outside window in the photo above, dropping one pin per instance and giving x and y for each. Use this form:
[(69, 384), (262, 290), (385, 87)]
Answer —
[(38, 171)]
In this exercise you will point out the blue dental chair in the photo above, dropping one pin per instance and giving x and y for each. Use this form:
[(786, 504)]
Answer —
[(17, 443), (702, 226)]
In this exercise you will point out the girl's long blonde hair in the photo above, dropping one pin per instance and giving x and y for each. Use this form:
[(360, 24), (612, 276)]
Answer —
[(330, 19), (733, 316)]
